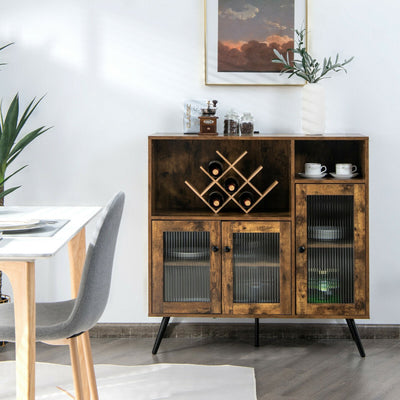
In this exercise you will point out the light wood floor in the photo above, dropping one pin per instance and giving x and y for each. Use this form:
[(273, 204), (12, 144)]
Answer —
[(284, 370)]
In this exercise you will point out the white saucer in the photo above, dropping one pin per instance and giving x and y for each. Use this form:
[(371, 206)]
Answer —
[(303, 175), (337, 176)]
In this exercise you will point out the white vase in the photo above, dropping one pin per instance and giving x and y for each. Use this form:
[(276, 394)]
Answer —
[(313, 109)]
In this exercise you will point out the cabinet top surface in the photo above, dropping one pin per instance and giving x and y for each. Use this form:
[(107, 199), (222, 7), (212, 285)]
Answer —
[(265, 136)]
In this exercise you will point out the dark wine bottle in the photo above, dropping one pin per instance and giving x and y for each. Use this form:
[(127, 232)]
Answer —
[(215, 199), (215, 168), (231, 185), (246, 199)]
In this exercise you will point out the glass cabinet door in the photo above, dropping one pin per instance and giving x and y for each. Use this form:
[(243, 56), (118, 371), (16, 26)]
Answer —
[(186, 267), (256, 267), (331, 251)]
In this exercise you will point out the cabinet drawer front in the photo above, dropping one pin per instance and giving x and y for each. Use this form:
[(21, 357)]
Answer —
[(256, 268), (185, 269), (331, 265)]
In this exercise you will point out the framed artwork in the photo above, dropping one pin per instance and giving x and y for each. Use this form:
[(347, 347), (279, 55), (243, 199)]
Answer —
[(240, 36)]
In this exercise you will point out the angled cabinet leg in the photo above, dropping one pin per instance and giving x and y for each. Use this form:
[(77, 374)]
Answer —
[(355, 335), (160, 335), (257, 332)]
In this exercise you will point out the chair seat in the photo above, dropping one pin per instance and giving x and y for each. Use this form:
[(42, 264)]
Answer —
[(66, 319), (51, 320)]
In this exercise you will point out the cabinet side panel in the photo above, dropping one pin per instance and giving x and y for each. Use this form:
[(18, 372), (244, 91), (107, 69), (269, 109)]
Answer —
[(361, 270), (156, 284), (301, 258), (285, 268)]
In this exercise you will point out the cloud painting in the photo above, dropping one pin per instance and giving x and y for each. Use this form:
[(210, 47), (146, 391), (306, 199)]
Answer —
[(249, 30)]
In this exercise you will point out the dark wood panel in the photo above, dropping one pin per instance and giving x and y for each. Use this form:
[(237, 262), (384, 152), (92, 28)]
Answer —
[(331, 152), (177, 161), (173, 158)]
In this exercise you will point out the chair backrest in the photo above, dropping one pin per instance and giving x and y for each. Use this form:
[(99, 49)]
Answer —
[(96, 275)]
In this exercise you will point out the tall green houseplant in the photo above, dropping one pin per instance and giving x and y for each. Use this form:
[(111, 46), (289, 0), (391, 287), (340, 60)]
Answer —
[(12, 141), (10, 147)]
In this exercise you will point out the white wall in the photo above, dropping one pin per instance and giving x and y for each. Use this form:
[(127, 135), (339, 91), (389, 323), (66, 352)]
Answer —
[(117, 71)]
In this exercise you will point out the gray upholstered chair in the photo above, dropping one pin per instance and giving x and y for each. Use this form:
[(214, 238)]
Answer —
[(63, 322)]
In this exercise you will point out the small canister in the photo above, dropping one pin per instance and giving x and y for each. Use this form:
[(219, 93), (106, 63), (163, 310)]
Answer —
[(247, 124), (231, 124)]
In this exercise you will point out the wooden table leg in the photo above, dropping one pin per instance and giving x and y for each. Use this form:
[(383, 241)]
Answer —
[(77, 256), (22, 279)]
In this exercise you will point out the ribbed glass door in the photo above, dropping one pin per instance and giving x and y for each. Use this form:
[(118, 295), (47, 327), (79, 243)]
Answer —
[(330, 244), (186, 267), (256, 268), (331, 266)]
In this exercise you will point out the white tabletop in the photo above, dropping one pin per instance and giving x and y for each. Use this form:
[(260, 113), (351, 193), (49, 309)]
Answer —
[(28, 247)]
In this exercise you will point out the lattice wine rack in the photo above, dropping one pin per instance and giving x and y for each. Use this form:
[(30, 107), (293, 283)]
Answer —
[(232, 196)]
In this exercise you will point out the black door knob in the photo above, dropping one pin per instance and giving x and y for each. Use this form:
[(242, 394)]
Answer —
[(215, 249), (227, 249), (302, 249)]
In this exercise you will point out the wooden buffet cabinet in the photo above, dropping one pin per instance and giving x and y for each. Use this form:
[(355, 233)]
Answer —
[(300, 252)]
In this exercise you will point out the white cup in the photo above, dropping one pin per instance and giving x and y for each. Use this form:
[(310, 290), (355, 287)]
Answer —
[(314, 169), (345, 169)]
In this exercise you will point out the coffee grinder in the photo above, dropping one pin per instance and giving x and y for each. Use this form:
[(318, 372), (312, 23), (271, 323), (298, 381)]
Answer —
[(208, 120)]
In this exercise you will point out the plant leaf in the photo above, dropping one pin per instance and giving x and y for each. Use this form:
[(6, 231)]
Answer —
[(9, 129), (28, 138), (3, 47), (27, 113), (308, 67), (8, 191), (9, 176)]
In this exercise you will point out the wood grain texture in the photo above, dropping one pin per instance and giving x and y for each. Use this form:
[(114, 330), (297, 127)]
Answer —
[(77, 256), (285, 369), (158, 304), (177, 161), (22, 279), (359, 308), (77, 371), (330, 152), (88, 359), (232, 308), (281, 158)]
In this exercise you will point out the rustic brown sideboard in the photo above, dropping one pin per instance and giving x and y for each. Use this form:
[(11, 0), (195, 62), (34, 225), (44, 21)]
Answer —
[(300, 252)]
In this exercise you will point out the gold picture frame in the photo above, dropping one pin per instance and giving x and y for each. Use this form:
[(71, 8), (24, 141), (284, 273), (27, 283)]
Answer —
[(224, 59)]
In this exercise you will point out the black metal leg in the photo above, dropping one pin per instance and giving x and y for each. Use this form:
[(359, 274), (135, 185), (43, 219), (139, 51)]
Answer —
[(257, 333), (355, 335), (349, 324), (160, 334)]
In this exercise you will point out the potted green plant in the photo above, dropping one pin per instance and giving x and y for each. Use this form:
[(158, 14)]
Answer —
[(12, 142), (312, 71), (10, 147)]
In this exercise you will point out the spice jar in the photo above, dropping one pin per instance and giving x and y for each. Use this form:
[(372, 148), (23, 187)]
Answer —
[(247, 124), (231, 124)]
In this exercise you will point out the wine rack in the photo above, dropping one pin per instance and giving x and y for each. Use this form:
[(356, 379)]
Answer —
[(231, 196)]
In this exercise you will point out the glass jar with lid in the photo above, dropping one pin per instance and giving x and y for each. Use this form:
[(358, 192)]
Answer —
[(247, 124), (231, 124)]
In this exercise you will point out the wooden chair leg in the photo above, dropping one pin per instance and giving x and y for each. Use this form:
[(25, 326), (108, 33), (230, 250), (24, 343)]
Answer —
[(83, 370), (89, 366), (76, 368)]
